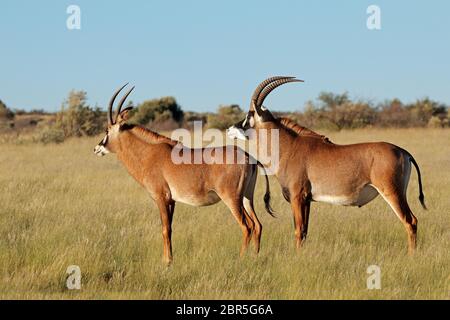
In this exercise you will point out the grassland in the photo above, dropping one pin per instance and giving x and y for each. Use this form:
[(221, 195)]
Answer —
[(60, 205)]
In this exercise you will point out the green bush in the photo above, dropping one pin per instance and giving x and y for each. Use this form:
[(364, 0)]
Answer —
[(226, 116), (337, 111), (77, 119), (161, 110), (352, 115)]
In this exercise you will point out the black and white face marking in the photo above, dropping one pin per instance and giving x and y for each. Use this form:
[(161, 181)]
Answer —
[(100, 149), (238, 130), (235, 132)]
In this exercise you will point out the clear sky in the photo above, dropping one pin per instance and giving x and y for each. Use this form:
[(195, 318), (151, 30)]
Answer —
[(207, 53)]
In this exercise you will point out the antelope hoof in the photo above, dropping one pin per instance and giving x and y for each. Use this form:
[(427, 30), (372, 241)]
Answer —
[(168, 261), (304, 234)]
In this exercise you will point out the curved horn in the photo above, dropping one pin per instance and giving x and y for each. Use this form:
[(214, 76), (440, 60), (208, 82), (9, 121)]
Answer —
[(271, 87), (263, 84), (122, 101), (111, 103)]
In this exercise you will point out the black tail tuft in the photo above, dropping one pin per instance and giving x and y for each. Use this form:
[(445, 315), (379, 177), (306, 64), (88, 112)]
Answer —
[(422, 201), (267, 194), (267, 204), (421, 195)]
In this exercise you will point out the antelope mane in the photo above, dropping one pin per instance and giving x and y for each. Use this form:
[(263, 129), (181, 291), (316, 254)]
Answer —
[(151, 137), (301, 131)]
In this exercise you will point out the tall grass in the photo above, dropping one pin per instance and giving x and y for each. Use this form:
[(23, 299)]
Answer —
[(60, 205)]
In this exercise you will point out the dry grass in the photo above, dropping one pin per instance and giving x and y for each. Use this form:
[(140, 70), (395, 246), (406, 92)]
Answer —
[(60, 205)]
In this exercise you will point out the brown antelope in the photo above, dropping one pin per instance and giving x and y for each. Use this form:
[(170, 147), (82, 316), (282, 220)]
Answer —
[(312, 168), (148, 158)]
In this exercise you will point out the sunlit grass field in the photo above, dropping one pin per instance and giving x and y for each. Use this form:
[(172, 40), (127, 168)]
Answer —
[(60, 205)]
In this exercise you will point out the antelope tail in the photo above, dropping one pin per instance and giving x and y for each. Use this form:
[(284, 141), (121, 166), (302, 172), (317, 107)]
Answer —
[(268, 207), (421, 195)]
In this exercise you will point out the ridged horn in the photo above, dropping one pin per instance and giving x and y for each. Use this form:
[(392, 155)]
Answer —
[(268, 89), (262, 85), (111, 103), (122, 101)]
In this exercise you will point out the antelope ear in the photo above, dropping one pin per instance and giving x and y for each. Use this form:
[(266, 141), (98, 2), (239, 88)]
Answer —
[(251, 121), (124, 115)]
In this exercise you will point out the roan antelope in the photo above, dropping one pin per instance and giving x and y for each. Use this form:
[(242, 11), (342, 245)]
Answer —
[(312, 168), (148, 158)]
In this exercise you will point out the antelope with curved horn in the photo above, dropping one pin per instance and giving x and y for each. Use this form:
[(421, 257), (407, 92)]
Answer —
[(312, 168), (148, 158)]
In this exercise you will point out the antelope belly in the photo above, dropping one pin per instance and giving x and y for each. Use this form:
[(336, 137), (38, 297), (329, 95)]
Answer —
[(365, 195), (195, 199)]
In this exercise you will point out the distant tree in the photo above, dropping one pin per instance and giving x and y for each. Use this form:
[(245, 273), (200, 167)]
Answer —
[(423, 110), (5, 112), (77, 118), (19, 112), (38, 112), (226, 116), (339, 111), (392, 113), (191, 116), (158, 112), (352, 115), (330, 101)]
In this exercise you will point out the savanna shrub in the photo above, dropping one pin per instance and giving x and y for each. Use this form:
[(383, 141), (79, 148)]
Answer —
[(50, 134), (5, 113), (77, 119), (160, 111), (226, 116)]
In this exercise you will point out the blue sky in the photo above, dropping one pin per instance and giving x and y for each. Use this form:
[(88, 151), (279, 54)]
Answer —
[(207, 53)]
